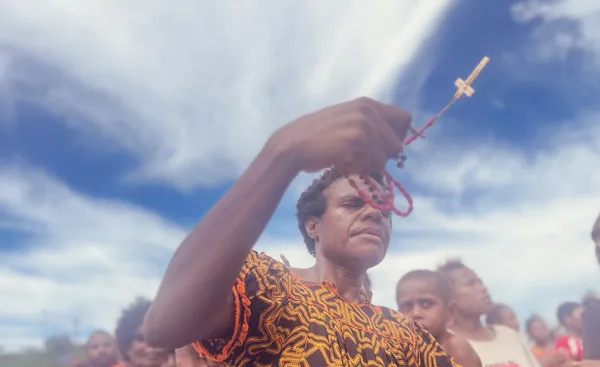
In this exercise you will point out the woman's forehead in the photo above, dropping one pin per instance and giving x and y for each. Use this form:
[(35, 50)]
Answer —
[(341, 187), (463, 274)]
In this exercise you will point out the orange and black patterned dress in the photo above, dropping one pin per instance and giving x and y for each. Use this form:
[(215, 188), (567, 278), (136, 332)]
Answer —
[(284, 321)]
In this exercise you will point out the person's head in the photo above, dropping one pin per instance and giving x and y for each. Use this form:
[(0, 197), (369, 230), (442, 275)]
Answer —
[(569, 316), (501, 314), (596, 237), (471, 297), (426, 297), (538, 331), (130, 338), (338, 225), (101, 349)]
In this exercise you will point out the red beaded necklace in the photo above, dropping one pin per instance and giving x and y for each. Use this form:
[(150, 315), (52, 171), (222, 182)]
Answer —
[(384, 199)]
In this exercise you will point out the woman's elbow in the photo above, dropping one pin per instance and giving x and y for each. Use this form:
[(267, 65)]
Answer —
[(160, 331)]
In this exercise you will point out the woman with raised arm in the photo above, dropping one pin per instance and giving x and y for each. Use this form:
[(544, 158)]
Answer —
[(243, 308)]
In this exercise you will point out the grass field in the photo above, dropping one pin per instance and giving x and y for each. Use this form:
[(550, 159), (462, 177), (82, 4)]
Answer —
[(35, 358)]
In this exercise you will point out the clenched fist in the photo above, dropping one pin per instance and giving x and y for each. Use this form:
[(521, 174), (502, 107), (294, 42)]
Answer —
[(358, 137)]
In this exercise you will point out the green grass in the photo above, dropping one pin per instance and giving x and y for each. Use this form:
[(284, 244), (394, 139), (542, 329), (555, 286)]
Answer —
[(34, 358)]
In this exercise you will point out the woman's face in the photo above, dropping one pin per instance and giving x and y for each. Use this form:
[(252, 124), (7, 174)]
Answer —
[(350, 229)]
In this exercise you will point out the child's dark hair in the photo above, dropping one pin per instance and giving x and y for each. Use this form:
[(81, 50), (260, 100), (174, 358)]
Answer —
[(447, 268), (128, 326), (565, 310), (312, 202), (440, 285), (98, 332)]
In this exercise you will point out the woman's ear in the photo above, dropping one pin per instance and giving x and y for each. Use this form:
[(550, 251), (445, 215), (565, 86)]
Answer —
[(311, 225), (449, 313)]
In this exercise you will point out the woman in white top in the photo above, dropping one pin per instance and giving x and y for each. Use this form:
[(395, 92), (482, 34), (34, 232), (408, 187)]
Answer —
[(498, 345)]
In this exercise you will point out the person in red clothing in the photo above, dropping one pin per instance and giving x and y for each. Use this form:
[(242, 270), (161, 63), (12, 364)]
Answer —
[(543, 343), (569, 316)]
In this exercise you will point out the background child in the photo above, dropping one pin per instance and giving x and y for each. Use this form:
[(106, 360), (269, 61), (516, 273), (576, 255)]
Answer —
[(569, 316), (501, 314), (425, 297), (100, 351), (496, 345)]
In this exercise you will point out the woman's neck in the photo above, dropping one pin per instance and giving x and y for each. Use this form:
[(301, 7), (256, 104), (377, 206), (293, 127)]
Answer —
[(348, 284), (471, 327)]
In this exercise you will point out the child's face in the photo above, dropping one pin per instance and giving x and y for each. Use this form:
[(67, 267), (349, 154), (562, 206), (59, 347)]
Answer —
[(101, 350), (141, 354), (539, 332), (470, 294), (573, 321), (417, 300)]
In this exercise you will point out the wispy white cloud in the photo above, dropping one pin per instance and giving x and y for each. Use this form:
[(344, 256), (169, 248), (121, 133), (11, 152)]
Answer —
[(191, 90), (85, 257), (180, 84), (565, 25), (527, 234), (200, 86), (521, 218)]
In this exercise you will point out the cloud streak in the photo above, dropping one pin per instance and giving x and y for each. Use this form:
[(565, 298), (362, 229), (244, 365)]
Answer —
[(194, 89)]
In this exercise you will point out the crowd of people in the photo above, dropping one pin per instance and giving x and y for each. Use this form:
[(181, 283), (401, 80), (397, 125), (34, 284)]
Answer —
[(222, 303), (427, 297)]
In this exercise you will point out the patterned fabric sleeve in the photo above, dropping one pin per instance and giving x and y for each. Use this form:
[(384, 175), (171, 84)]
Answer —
[(258, 278), (426, 351)]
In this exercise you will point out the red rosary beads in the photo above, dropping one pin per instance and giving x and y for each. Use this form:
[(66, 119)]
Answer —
[(384, 199)]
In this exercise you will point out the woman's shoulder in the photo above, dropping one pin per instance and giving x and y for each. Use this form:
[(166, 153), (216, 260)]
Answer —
[(504, 330)]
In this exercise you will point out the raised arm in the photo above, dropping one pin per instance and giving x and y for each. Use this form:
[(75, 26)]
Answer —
[(194, 301)]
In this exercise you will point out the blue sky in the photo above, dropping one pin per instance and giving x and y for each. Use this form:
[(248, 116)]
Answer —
[(121, 124)]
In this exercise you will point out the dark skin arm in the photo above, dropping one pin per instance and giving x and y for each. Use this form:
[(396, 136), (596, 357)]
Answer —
[(463, 353), (208, 260)]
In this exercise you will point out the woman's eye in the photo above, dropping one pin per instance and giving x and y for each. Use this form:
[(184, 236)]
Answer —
[(354, 204)]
